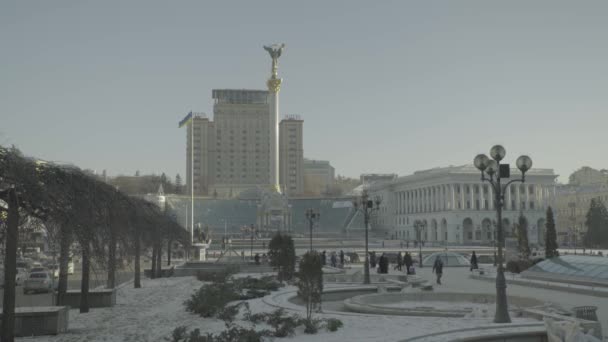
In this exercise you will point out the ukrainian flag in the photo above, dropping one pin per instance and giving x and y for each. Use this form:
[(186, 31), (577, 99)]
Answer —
[(186, 120)]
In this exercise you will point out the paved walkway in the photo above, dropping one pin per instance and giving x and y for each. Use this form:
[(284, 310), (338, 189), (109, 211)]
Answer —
[(457, 279)]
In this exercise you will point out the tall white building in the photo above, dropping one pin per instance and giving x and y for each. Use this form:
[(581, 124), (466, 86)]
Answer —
[(232, 153), (457, 207)]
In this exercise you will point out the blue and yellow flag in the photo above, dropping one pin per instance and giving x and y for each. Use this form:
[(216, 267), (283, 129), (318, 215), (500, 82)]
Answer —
[(186, 120)]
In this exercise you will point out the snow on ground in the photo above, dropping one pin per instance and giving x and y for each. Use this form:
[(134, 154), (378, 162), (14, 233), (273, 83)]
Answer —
[(152, 312)]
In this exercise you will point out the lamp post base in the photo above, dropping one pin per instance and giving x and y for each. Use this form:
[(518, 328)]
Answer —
[(502, 309)]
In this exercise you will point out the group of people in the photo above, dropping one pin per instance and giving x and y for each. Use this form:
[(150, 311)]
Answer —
[(335, 259), (383, 261)]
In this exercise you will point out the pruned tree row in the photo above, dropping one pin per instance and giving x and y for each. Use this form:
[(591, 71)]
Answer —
[(78, 210)]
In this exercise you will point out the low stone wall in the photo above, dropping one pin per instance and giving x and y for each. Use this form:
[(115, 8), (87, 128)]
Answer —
[(550, 285), (191, 269), (165, 272), (40, 320), (96, 298), (532, 332)]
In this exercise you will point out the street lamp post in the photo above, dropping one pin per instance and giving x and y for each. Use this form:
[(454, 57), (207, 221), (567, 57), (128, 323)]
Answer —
[(312, 216), (419, 226), (252, 229), (492, 172), (367, 206)]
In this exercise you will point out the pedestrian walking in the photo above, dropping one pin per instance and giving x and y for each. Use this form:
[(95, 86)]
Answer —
[(399, 261), (438, 269), (334, 259), (474, 265), (323, 259), (342, 258), (372, 259), (407, 260)]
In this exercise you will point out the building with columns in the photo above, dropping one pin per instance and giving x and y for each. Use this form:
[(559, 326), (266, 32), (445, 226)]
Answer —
[(457, 208)]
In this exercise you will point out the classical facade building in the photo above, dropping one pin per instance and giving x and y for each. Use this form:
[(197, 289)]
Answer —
[(570, 206), (232, 153), (318, 176), (457, 208)]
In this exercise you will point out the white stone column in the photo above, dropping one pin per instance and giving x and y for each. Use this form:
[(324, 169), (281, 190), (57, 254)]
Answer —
[(463, 204), (274, 85), (453, 196), (491, 197)]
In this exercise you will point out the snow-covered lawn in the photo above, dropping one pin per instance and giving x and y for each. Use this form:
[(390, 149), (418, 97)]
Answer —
[(152, 312)]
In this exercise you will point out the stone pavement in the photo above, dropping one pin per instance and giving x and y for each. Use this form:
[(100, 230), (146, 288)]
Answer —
[(457, 279)]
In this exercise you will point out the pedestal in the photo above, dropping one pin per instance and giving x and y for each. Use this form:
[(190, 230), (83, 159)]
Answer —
[(202, 251)]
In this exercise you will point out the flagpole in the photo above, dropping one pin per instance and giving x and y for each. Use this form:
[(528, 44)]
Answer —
[(192, 177)]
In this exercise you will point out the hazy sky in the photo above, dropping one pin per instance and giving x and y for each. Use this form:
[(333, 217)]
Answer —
[(382, 86)]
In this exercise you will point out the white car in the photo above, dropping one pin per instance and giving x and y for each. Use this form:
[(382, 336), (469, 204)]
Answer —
[(38, 282)]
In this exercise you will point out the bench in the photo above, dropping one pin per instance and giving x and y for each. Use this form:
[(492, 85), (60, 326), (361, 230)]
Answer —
[(40, 320), (96, 298)]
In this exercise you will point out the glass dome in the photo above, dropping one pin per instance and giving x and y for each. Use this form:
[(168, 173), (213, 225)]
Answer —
[(450, 259), (593, 268)]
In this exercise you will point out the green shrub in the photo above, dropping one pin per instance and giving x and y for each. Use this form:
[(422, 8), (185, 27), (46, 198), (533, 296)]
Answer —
[(251, 288), (233, 333), (333, 324), (311, 326), (229, 312), (210, 299), (219, 276), (283, 325), (282, 253), (518, 266)]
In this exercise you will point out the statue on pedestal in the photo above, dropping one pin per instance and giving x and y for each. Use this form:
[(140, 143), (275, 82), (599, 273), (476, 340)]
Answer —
[(275, 51)]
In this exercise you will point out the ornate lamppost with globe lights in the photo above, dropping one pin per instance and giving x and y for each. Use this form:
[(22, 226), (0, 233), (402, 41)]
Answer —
[(492, 171), (312, 216), (367, 206), (420, 226)]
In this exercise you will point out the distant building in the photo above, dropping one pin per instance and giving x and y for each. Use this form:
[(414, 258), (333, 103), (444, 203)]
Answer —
[(457, 208), (588, 176), (369, 178), (291, 155), (231, 153), (570, 206), (319, 176)]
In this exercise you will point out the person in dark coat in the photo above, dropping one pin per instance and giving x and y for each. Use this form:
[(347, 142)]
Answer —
[(323, 259), (474, 265), (257, 258), (407, 260), (334, 259), (386, 264), (438, 269), (342, 258), (372, 259), (399, 262)]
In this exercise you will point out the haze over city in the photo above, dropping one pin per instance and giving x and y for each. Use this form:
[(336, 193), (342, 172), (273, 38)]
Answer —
[(394, 87)]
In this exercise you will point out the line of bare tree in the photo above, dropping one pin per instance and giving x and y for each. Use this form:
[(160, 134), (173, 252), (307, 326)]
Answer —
[(79, 210)]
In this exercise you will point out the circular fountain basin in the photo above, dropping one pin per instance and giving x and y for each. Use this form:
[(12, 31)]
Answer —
[(432, 304)]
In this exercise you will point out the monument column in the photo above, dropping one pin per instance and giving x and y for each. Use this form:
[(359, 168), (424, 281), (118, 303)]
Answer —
[(274, 85)]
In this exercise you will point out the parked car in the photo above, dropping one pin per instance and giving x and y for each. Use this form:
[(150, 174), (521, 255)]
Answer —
[(21, 275), (23, 264), (38, 282), (39, 269)]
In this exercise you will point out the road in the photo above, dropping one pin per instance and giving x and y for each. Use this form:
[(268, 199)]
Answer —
[(97, 279)]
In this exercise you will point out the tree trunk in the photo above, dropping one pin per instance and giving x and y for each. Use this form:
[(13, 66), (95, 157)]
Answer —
[(169, 252), (153, 266), (84, 286), (159, 261), (137, 277), (65, 241), (10, 269), (112, 262)]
